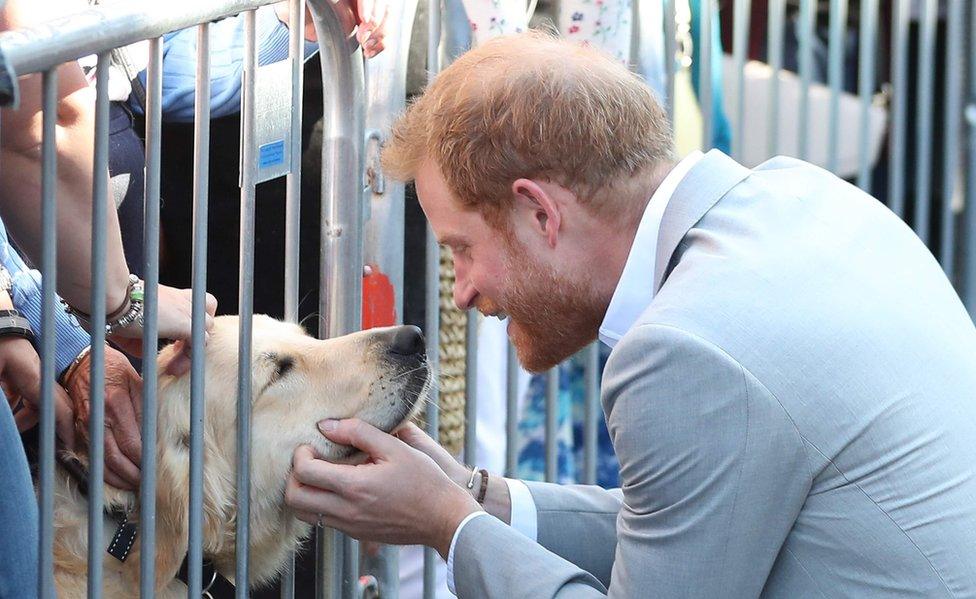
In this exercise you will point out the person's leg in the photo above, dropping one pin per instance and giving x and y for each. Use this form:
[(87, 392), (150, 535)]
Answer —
[(18, 514)]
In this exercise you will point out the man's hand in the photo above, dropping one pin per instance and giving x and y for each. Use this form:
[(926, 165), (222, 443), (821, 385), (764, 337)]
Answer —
[(400, 496), (123, 415), (20, 375), (175, 319)]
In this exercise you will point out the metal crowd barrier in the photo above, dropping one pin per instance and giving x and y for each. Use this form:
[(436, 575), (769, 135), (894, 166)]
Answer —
[(98, 30), (357, 116)]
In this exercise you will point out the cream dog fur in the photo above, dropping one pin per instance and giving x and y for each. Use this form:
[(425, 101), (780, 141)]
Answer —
[(297, 381)]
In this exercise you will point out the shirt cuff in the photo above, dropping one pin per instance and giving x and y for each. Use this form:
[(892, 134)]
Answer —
[(450, 553), (70, 338), (525, 518)]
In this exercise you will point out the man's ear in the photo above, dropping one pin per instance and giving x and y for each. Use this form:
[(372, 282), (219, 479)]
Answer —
[(537, 201)]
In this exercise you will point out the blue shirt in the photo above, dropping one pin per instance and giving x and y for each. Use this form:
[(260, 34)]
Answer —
[(26, 296), (226, 63)]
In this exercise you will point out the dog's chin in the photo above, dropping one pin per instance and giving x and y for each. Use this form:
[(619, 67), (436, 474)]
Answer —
[(350, 456)]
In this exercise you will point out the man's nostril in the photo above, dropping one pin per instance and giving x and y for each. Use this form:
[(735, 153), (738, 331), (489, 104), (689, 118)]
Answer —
[(407, 341)]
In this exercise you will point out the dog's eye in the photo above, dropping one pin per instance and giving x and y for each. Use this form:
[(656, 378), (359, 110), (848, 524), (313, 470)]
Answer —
[(283, 366)]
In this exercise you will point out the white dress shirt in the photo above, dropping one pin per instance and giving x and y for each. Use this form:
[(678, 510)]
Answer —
[(633, 295)]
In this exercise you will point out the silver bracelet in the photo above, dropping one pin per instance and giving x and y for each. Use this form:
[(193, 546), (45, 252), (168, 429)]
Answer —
[(128, 313), (133, 313)]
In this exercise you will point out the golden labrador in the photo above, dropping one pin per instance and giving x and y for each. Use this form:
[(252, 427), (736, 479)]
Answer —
[(379, 376)]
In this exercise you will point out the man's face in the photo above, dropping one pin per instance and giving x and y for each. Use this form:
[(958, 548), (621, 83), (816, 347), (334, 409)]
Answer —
[(552, 314)]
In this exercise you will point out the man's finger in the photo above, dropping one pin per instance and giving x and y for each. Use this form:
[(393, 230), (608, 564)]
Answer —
[(304, 498), (413, 435), (360, 435), (309, 470)]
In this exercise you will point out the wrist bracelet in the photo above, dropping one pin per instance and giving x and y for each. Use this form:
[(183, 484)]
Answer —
[(125, 315), (474, 472), (484, 486), (70, 370), (14, 324)]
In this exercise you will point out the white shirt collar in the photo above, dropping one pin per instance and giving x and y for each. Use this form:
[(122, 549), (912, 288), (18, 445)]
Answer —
[(635, 290)]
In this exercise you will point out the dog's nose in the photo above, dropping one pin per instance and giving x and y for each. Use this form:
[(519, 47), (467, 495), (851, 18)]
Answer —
[(407, 341)]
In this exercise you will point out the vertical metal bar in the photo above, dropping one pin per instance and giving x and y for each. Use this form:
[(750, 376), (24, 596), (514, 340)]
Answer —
[(670, 51), (432, 333), (341, 249), (288, 579), (899, 106), (350, 567), (835, 75), (705, 75), (867, 47), (471, 388), (970, 227), (201, 182), (49, 256), (432, 285), (775, 22), (923, 121), (591, 412), (950, 138), (246, 306), (293, 189), (293, 197), (740, 48), (552, 422), (96, 421), (147, 487), (808, 19), (511, 412)]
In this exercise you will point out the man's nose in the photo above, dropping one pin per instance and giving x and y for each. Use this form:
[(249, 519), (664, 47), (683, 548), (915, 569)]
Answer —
[(464, 293)]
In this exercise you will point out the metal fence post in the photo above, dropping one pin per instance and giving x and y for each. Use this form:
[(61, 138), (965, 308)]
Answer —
[(49, 211), (201, 182), (341, 257), (147, 486), (96, 421)]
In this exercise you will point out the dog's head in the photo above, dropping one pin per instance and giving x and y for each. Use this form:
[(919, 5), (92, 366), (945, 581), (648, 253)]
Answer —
[(379, 376)]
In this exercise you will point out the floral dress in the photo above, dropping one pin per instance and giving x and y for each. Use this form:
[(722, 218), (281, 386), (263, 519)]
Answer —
[(601, 23)]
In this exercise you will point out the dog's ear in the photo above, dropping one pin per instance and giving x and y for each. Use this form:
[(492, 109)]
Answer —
[(174, 359)]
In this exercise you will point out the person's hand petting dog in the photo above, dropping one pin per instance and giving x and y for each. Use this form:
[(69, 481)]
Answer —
[(20, 376), (123, 415), (175, 312), (407, 492)]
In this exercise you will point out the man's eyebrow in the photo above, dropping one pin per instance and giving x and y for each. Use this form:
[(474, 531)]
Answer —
[(452, 240)]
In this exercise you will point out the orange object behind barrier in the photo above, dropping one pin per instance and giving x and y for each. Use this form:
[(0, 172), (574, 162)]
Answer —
[(379, 299)]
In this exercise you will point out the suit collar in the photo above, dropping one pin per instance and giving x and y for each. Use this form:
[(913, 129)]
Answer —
[(704, 185)]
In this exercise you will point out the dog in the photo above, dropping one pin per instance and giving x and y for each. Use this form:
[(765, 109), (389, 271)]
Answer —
[(379, 376)]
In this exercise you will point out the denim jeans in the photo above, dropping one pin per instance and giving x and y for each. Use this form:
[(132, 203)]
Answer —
[(18, 514)]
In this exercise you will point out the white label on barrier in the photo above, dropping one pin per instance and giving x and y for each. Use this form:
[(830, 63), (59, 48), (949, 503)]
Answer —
[(272, 120)]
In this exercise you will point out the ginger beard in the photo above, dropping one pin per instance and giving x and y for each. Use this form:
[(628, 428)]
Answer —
[(551, 317)]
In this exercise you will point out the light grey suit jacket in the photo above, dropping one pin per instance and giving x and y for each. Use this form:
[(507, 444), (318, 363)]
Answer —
[(794, 414)]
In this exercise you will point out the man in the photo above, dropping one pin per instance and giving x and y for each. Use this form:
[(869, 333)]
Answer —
[(792, 388)]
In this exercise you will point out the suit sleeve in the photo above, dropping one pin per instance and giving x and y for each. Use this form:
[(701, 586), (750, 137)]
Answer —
[(714, 474)]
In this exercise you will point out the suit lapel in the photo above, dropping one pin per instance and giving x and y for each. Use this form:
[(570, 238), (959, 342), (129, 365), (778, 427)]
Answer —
[(704, 185)]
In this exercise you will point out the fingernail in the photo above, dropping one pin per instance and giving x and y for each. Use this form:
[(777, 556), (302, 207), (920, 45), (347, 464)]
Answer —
[(327, 426)]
